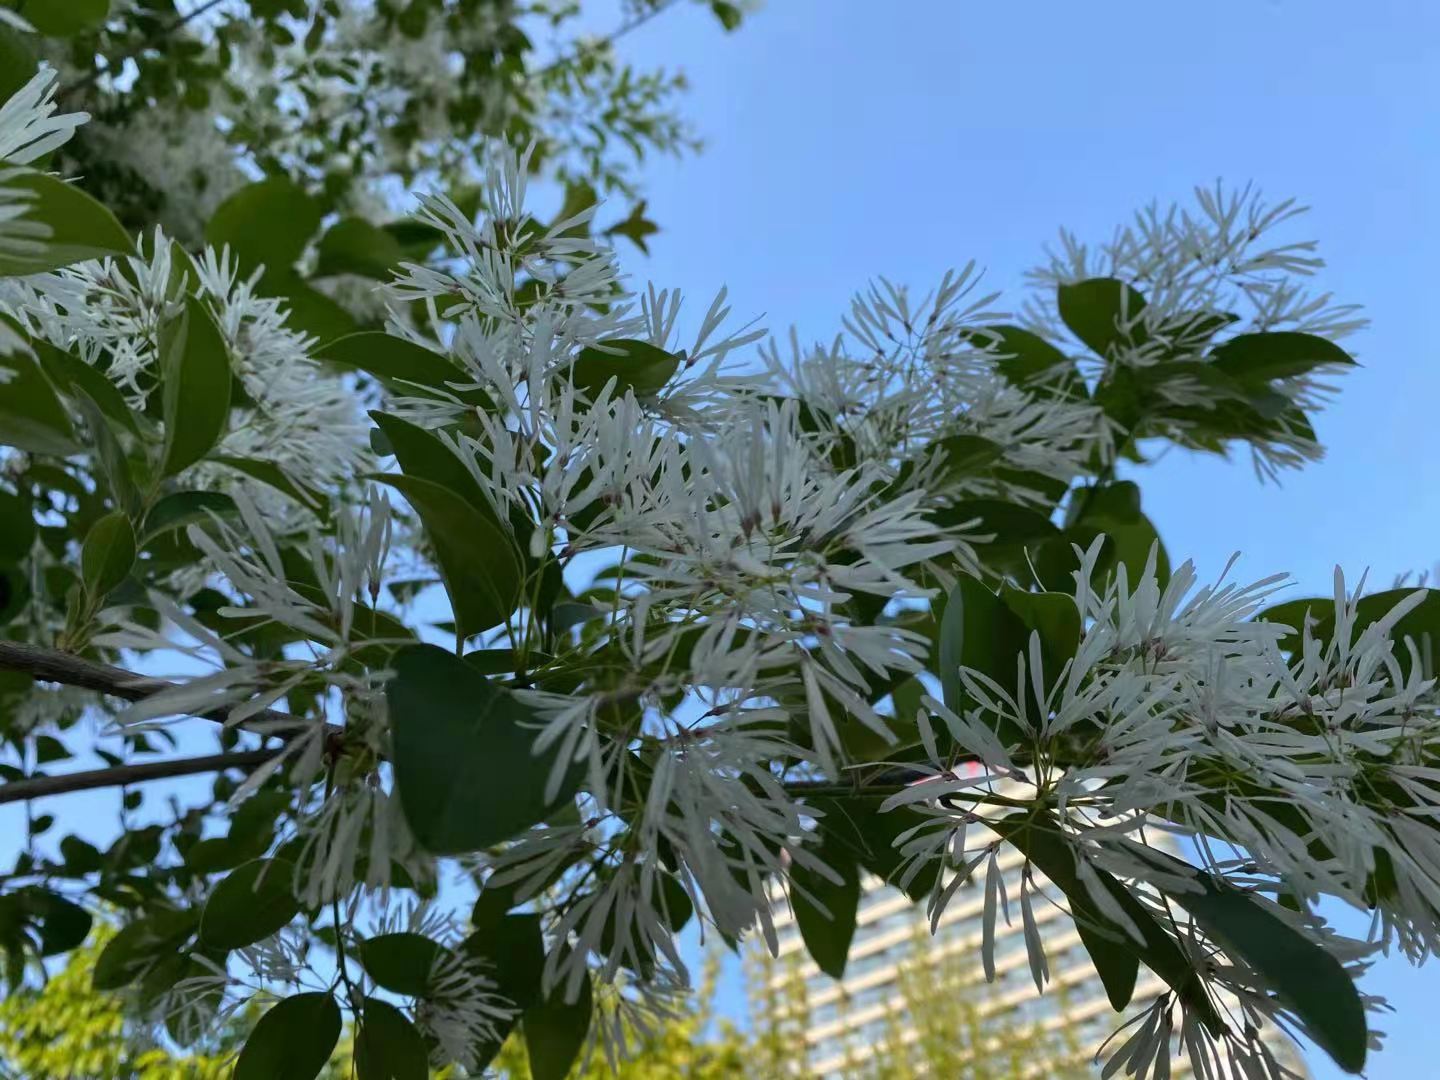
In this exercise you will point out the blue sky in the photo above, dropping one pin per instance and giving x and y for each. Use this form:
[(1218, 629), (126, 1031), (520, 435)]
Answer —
[(849, 139)]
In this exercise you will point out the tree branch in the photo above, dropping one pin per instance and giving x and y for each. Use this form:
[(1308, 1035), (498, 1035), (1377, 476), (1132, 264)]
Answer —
[(52, 665), (35, 787)]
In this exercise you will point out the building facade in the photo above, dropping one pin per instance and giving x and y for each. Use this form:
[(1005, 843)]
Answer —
[(863, 1026)]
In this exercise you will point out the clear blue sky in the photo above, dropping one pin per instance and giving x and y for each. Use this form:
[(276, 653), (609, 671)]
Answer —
[(849, 139)]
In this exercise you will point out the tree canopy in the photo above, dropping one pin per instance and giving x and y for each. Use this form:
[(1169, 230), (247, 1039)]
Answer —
[(538, 618)]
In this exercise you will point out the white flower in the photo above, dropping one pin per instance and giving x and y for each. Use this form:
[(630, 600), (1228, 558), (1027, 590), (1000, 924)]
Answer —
[(29, 128)]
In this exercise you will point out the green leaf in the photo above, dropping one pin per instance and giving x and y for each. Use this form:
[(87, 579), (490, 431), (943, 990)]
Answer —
[(475, 556), (113, 462), (1041, 840), (354, 246), (17, 61), (31, 416), (856, 824), (515, 951), (184, 508), (273, 476), (1277, 354), (387, 1046), (250, 904), (80, 227), (19, 532), (1305, 977), (635, 365), (64, 925), (825, 909), (74, 378), (400, 363), (1103, 313), (401, 962), (729, 14), (292, 1041), (966, 455), (108, 554), (425, 457), (137, 945), (1018, 531), (65, 18), (266, 223), (555, 1032), (978, 631), (1051, 614), (1030, 362), (635, 228), (196, 381), (463, 755)]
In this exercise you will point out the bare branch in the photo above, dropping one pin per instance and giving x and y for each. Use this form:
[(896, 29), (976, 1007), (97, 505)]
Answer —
[(52, 665), (35, 787)]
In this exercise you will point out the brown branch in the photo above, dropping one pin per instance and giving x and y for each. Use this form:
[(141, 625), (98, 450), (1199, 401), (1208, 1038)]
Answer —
[(35, 787), (52, 665)]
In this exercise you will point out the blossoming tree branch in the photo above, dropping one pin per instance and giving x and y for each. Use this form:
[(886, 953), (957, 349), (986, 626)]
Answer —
[(506, 590)]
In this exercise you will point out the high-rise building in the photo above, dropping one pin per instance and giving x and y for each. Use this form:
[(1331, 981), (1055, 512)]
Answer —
[(848, 1028)]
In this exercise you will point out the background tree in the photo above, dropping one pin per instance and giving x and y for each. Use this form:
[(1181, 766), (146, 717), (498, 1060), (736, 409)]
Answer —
[(653, 625)]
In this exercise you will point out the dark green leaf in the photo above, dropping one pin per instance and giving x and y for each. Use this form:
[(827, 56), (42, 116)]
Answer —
[(475, 555), (635, 365), (555, 1032), (401, 962), (515, 950), (292, 1041), (1103, 313), (80, 227), (108, 554), (825, 909), (1054, 616), (196, 381), (1030, 362), (463, 755), (184, 508), (399, 363), (354, 246), (387, 1046), (272, 475), (74, 377), (18, 534), (1277, 354), (978, 631), (64, 18), (31, 416), (139, 944), (250, 904), (1306, 978), (113, 461), (266, 223)]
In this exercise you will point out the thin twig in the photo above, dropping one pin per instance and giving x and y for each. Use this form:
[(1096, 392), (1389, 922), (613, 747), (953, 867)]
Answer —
[(52, 665), (608, 40), (35, 787), (147, 42)]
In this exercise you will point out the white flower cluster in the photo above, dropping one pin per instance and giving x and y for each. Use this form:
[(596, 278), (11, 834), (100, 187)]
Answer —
[(1304, 772)]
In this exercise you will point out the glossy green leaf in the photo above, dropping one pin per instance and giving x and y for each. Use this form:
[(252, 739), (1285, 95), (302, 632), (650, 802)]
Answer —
[(398, 362), (114, 463), (80, 228), (1053, 616), (1277, 354), (825, 909), (108, 554), (139, 944), (18, 534), (354, 246), (856, 824), (387, 1046), (183, 508), (1040, 839), (1030, 362), (978, 631), (475, 555), (273, 476), (250, 904), (292, 1041), (73, 377), (463, 754), (1103, 313), (635, 365), (514, 949), (31, 416), (196, 383), (401, 962), (266, 223), (555, 1032), (1305, 977)]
